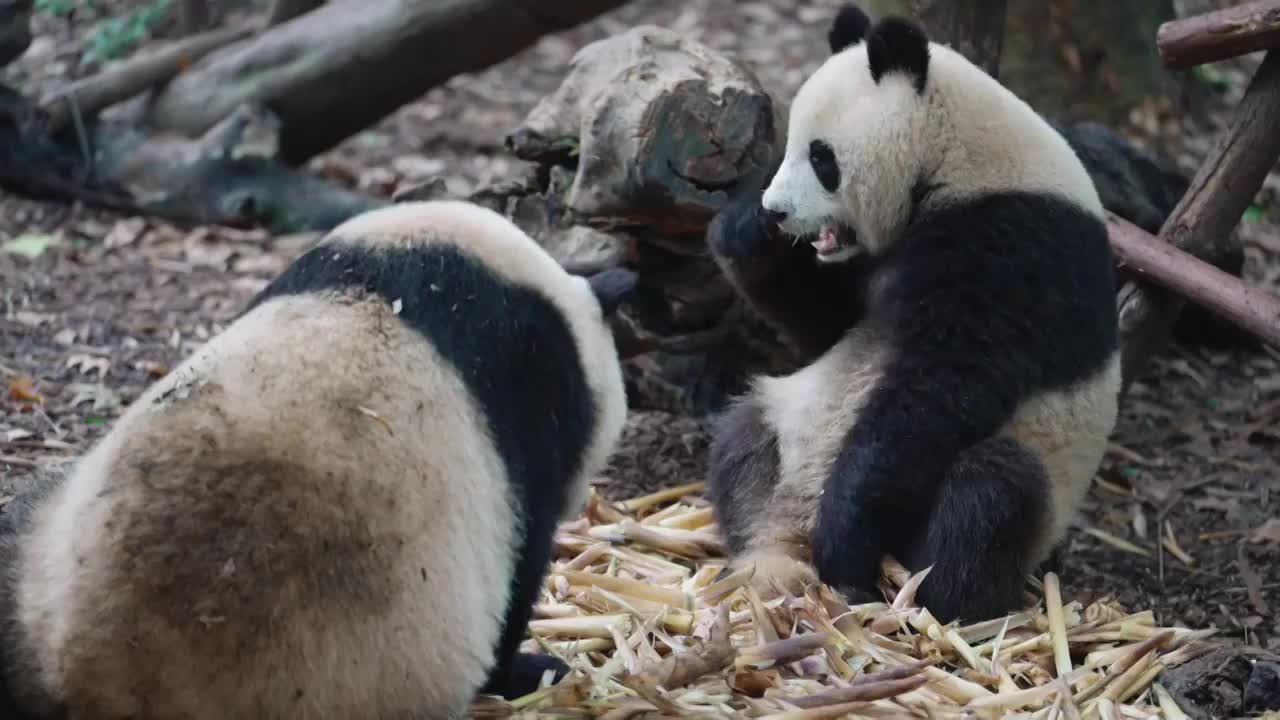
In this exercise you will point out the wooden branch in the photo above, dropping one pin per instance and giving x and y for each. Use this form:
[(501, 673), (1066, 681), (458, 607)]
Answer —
[(975, 28), (1220, 34), (1212, 206), (349, 63), (1253, 309), (97, 92)]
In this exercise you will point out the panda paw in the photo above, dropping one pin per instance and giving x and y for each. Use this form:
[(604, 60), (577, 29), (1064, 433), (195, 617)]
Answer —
[(526, 674), (847, 551), (741, 230)]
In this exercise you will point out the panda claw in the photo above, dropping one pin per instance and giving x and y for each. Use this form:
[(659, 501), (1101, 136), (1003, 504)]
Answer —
[(525, 675)]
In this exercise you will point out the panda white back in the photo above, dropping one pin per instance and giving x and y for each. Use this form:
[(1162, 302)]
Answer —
[(339, 506)]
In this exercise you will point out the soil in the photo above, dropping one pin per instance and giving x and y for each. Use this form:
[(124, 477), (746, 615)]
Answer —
[(94, 318)]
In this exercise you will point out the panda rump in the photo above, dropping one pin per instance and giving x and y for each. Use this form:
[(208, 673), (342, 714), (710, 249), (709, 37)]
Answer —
[(343, 504), (938, 253)]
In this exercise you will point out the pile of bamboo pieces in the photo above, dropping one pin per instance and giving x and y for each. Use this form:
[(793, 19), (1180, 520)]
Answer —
[(633, 604)]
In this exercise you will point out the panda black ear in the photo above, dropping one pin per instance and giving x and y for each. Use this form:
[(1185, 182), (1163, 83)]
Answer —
[(897, 44), (849, 27), (611, 287)]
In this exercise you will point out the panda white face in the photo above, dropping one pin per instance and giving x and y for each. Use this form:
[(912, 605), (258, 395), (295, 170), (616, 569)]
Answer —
[(858, 143), (892, 123)]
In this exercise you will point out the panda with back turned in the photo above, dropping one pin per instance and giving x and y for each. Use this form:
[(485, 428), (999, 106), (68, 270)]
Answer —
[(940, 253), (342, 505)]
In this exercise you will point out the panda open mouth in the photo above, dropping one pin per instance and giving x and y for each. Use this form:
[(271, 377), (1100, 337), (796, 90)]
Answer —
[(834, 239)]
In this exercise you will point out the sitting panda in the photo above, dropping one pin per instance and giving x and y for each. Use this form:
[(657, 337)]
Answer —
[(342, 506), (940, 253)]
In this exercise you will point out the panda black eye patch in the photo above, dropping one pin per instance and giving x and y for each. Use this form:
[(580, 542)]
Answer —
[(823, 160)]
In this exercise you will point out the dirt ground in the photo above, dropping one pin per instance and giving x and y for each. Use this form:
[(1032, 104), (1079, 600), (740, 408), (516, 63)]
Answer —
[(115, 301)]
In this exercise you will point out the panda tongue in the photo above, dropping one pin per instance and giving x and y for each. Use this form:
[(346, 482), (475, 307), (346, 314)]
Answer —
[(826, 242)]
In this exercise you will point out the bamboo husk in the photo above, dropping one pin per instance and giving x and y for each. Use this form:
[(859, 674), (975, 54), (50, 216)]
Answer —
[(636, 604)]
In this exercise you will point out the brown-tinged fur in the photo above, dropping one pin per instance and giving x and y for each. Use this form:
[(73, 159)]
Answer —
[(219, 501), (306, 519)]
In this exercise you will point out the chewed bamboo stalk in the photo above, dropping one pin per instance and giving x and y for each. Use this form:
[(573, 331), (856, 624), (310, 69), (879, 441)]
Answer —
[(639, 602)]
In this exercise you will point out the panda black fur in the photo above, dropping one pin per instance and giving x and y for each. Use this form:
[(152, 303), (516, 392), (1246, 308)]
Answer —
[(940, 251), (342, 506)]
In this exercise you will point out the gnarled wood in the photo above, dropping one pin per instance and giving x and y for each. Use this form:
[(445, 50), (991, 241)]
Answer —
[(1218, 196), (662, 130), (1227, 33), (1252, 308)]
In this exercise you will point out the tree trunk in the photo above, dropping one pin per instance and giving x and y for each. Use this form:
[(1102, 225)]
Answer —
[(975, 28), (334, 71)]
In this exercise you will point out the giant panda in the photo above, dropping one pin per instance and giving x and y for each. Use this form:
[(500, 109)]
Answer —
[(342, 505), (939, 253)]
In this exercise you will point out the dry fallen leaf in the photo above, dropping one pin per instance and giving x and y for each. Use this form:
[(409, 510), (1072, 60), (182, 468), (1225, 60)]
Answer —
[(1268, 531), (23, 389)]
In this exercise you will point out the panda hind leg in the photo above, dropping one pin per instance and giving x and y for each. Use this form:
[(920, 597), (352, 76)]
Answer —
[(989, 514)]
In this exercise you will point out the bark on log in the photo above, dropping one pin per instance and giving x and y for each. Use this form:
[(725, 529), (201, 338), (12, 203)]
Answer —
[(1213, 205), (344, 66), (15, 29), (975, 28), (96, 92), (662, 130), (1220, 34), (228, 177), (1254, 309)]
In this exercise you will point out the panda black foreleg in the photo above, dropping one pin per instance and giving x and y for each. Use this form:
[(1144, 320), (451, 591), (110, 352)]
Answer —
[(988, 514), (811, 304)]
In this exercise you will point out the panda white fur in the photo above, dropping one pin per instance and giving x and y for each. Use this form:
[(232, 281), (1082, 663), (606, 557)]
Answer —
[(939, 253), (342, 506)]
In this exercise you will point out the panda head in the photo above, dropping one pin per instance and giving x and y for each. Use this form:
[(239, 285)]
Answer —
[(857, 143), (892, 124)]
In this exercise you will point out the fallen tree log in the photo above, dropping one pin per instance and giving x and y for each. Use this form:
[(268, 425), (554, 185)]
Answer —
[(1221, 34), (230, 176), (89, 95), (1254, 309), (345, 65)]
